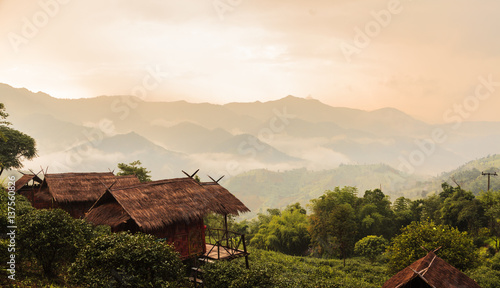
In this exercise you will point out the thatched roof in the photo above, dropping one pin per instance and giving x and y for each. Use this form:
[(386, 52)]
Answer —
[(155, 205), (110, 213), (84, 187), (434, 272), (25, 179), (230, 204)]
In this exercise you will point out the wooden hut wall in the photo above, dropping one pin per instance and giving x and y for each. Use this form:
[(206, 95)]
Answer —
[(39, 198), (76, 210), (187, 239)]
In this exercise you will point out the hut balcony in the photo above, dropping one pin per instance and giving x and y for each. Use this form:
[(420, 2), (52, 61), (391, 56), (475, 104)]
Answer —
[(222, 244)]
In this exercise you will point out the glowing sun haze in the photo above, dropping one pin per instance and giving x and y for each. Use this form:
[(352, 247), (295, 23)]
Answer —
[(422, 57)]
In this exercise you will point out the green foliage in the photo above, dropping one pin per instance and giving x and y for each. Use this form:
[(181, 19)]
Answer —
[(376, 214), (460, 209), (495, 262), (371, 247), (3, 116), (52, 237), (491, 203), (405, 212), (264, 188), (285, 232), (292, 271), (15, 146), (223, 274), (333, 224), (216, 221), (273, 269), (484, 276), (134, 168), (22, 206), (457, 247), (125, 260)]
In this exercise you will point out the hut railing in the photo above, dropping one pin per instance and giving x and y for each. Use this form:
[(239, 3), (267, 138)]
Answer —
[(232, 243)]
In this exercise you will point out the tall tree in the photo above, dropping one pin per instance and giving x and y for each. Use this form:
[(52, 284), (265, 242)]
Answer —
[(405, 212), (376, 214), (491, 203), (15, 146), (333, 224), (460, 209), (285, 232), (136, 169)]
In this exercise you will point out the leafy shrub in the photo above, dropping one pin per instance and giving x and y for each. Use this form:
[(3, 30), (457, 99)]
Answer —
[(234, 275), (495, 262), (52, 237), (485, 277), (371, 247), (125, 260), (457, 247), (23, 206)]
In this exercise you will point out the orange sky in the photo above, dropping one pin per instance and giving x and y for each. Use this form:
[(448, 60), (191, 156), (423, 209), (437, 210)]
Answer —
[(424, 57)]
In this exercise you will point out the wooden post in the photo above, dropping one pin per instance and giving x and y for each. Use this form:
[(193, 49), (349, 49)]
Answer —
[(226, 233), (218, 250), (245, 249), (489, 174)]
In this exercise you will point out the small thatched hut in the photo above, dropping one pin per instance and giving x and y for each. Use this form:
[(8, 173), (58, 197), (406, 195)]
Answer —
[(172, 209), (72, 192), (430, 272), (28, 184)]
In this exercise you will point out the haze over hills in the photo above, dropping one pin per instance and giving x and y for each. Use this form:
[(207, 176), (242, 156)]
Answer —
[(262, 189), (285, 134)]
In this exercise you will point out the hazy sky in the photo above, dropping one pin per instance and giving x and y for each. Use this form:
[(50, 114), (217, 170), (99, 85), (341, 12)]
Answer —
[(422, 56)]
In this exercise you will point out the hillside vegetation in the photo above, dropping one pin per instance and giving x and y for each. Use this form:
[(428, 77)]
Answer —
[(262, 189)]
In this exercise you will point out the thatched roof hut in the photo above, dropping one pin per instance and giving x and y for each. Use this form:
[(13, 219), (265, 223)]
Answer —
[(24, 181), (73, 192), (172, 209), (84, 187), (230, 204), (430, 272), (152, 206)]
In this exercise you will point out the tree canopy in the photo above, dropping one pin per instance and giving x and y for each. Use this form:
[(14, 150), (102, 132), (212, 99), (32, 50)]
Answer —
[(136, 169), (333, 224), (52, 237), (285, 231), (15, 146), (371, 247), (457, 247)]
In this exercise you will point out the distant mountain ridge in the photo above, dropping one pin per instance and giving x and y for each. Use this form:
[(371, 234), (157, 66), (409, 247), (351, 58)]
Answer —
[(262, 189), (285, 134)]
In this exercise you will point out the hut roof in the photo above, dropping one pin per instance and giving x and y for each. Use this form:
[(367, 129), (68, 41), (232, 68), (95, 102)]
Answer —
[(82, 187), (110, 213), (21, 182), (432, 270), (230, 204), (155, 205)]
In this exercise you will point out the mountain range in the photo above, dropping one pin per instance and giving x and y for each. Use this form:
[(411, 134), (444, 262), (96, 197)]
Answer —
[(289, 134)]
